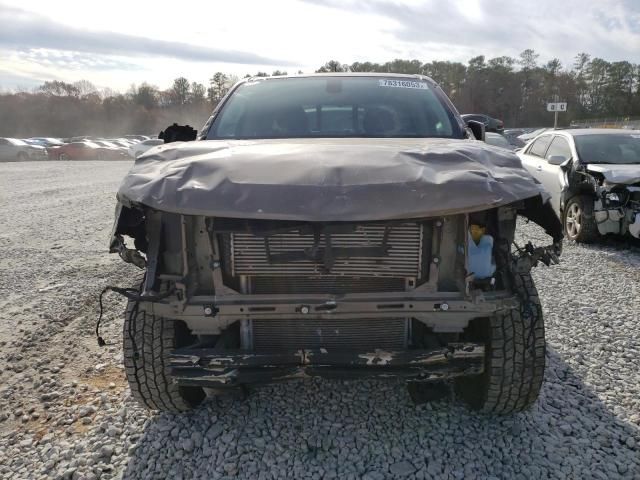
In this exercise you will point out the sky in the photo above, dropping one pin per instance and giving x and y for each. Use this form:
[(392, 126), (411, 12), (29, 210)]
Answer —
[(118, 43)]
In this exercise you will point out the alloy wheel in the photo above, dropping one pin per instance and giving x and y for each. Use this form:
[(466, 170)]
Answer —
[(573, 220)]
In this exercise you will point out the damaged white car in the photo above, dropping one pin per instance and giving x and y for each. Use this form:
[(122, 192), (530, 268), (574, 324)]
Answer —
[(593, 176)]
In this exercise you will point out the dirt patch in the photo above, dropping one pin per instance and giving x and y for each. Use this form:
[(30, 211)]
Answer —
[(110, 378)]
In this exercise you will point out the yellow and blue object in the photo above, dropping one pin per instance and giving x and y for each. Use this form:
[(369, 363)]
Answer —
[(480, 253)]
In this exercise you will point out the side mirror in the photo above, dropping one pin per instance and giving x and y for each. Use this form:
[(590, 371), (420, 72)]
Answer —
[(556, 160), (477, 128)]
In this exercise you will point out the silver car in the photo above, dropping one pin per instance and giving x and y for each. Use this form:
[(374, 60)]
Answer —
[(12, 149), (593, 176)]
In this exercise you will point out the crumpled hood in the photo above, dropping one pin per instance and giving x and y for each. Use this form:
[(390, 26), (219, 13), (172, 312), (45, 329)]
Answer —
[(327, 179), (621, 174)]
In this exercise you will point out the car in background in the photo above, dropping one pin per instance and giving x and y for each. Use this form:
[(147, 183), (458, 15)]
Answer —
[(110, 144), (13, 149), (498, 140), (514, 131), (512, 134), (530, 135), (122, 142), (593, 176), (490, 124), (44, 141), (86, 150), (139, 148), (80, 138)]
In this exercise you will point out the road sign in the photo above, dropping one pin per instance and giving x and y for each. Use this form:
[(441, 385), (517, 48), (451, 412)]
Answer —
[(557, 107)]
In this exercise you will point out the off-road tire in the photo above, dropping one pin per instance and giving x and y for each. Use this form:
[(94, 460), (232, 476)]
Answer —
[(147, 342), (514, 355), (581, 205)]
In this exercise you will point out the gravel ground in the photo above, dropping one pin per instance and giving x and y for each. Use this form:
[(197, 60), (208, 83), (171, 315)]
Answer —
[(65, 411)]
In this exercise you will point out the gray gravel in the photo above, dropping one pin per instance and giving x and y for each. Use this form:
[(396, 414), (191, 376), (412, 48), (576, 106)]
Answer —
[(65, 411)]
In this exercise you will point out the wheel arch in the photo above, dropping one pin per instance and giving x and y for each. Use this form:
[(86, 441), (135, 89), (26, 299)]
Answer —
[(574, 191)]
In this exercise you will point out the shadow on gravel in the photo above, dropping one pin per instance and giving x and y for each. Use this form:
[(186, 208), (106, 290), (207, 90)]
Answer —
[(321, 429)]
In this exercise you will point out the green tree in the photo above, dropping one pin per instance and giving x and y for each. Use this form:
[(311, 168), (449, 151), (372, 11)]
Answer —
[(333, 66), (218, 87), (409, 67), (450, 76), (145, 95), (59, 88), (179, 92), (198, 93), (365, 67)]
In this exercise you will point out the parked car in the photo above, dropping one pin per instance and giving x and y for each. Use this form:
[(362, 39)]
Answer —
[(122, 142), (593, 176), (44, 141), (85, 150), (319, 225), (490, 124), (109, 144), (139, 148), (512, 134), (514, 131), (498, 140), (14, 149), (525, 137)]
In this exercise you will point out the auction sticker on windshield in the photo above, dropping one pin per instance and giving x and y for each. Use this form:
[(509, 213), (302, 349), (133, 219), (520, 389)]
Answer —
[(403, 84)]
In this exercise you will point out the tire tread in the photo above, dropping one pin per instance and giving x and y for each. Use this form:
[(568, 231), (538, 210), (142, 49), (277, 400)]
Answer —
[(148, 372)]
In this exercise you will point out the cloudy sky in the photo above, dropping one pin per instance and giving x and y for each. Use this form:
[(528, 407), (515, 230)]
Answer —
[(116, 43)]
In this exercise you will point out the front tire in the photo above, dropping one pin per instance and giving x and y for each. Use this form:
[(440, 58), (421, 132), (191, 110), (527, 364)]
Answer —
[(514, 356), (148, 341), (579, 221)]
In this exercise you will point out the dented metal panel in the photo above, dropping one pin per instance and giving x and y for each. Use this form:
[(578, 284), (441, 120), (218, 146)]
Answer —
[(340, 179)]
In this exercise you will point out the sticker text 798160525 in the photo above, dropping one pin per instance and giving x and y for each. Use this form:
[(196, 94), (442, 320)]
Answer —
[(403, 84)]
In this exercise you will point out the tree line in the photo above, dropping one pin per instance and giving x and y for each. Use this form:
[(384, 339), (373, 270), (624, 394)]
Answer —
[(515, 90)]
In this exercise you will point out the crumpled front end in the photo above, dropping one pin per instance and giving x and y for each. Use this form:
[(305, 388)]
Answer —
[(274, 299), (331, 257), (617, 199), (618, 211), (327, 180)]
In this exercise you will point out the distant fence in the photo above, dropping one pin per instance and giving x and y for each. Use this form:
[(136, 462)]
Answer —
[(613, 122)]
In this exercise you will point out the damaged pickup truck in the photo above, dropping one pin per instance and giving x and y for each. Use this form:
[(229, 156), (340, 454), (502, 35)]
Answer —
[(339, 225), (593, 176)]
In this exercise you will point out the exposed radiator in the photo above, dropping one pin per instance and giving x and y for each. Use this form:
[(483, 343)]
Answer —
[(336, 335), (326, 284), (403, 258)]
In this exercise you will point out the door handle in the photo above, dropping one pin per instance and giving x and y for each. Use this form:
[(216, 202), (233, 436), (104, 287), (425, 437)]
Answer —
[(539, 168)]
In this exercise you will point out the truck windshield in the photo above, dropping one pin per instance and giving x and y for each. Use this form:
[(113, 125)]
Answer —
[(623, 148), (309, 107)]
